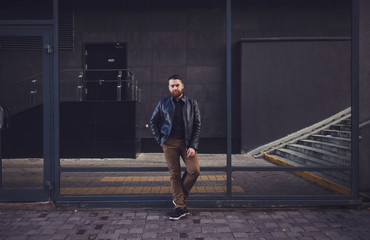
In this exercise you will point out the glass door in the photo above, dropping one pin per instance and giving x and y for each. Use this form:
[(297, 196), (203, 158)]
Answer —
[(24, 77)]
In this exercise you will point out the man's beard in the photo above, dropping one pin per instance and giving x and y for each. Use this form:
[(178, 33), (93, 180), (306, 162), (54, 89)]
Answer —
[(177, 93)]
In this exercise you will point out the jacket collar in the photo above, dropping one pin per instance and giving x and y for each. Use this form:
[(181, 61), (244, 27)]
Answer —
[(183, 98)]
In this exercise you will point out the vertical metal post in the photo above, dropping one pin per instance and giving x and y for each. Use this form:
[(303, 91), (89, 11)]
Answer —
[(80, 87), (133, 89), (33, 93), (355, 97), (119, 86), (1, 166), (228, 94), (54, 165)]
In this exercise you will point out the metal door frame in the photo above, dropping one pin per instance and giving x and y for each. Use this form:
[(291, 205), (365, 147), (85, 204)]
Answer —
[(229, 199), (35, 28), (48, 29)]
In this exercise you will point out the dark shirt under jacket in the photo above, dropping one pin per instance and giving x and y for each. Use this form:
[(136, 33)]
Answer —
[(178, 126), (162, 120)]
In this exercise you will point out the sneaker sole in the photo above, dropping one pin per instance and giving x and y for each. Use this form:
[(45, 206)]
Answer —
[(178, 218)]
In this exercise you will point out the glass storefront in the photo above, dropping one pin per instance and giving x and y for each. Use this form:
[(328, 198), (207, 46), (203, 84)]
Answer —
[(273, 83)]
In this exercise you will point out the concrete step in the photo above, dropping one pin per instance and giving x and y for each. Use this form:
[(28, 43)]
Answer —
[(341, 178), (302, 159), (341, 127), (298, 160), (330, 139), (346, 122), (283, 155), (334, 148), (321, 154), (336, 133)]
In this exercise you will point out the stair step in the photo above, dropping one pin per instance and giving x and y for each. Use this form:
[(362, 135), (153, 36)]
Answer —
[(321, 154), (286, 159), (336, 133), (331, 139), (346, 122), (341, 150), (341, 127), (342, 178), (303, 159)]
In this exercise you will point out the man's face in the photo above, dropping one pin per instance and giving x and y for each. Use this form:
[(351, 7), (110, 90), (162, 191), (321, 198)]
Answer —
[(176, 87)]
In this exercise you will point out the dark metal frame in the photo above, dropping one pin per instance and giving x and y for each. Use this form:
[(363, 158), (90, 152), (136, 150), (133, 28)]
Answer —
[(52, 122), (43, 29), (355, 97), (256, 200)]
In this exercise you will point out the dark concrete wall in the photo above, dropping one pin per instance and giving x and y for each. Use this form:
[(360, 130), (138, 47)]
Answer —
[(364, 96), (188, 37), (288, 85), (285, 18), (17, 70)]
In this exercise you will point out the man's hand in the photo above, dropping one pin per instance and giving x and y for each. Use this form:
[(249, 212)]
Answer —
[(190, 152)]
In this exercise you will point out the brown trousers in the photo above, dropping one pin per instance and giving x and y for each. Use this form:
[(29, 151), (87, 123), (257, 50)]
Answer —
[(173, 148)]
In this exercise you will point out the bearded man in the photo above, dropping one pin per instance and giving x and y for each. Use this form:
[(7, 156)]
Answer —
[(175, 124)]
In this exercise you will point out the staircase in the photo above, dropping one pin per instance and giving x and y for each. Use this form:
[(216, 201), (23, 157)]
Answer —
[(328, 147)]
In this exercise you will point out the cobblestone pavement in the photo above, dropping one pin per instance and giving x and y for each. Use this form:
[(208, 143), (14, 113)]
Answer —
[(136, 223)]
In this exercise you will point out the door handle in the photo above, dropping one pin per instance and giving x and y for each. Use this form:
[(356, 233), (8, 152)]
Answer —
[(4, 114)]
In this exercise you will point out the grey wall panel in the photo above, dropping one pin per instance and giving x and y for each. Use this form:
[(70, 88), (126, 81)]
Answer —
[(171, 39), (364, 95), (169, 57), (206, 57), (290, 85)]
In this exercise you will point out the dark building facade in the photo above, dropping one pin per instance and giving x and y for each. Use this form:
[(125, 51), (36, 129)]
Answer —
[(289, 65), (189, 38)]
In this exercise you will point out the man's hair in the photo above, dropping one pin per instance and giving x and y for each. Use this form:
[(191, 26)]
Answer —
[(175, 76)]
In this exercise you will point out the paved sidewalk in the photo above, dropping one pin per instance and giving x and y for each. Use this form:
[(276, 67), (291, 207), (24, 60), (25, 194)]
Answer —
[(135, 223)]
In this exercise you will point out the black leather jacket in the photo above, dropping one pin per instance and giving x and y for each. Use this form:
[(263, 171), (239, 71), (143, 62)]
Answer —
[(162, 118)]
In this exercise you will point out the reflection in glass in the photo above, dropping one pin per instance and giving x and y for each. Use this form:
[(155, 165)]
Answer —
[(21, 95), (129, 183), (102, 116), (114, 183), (22, 173), (327, 144), (142, 160), (292, 183)]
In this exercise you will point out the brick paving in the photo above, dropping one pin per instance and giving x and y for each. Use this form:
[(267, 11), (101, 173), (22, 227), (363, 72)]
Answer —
[(135, 223)]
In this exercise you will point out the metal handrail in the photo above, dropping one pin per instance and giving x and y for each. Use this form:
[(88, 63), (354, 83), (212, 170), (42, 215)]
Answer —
[(98, 70), (364, 124), (108, 80), (32, 77), (125, 76)]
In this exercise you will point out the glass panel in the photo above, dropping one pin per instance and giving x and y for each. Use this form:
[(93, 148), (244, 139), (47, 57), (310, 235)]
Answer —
[(292, 183), (114, 183), (295, 87), (210, 183), (22, 173), (128, 183), (112, 79), (142, 160), (21, 91), (246, 160)]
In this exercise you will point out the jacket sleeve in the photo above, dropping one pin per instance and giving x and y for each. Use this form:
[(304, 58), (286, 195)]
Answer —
[(156, 122), (196, 127)]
